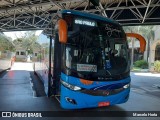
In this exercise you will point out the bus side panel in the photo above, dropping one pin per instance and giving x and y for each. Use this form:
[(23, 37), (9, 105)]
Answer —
[(41, 70), (41, 60), (83, 100), (57, 63)]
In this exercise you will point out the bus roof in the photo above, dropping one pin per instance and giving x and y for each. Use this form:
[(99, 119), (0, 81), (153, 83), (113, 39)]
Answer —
[(89, 15)]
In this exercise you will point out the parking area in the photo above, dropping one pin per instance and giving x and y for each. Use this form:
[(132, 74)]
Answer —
[(18, 93), (146, 83)]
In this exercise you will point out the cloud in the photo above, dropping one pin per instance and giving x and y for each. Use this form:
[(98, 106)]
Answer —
[(38, 32), (19, 34), (15, 35)]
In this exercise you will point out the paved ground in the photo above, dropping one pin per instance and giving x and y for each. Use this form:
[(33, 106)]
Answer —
[(17, 94), (147, 84)]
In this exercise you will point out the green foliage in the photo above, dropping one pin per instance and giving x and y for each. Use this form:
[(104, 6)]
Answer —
[(157, 66), (6, 43), (39, 57), (20, 60), (136, 69), (141, 64), (27, 42), (146, 31)]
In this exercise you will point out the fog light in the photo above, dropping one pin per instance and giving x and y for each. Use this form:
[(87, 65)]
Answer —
[(126, 86), (70, 100)]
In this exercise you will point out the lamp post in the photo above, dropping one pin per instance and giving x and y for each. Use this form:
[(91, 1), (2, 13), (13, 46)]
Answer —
[(44, 52), (28, 51), (28, 56)]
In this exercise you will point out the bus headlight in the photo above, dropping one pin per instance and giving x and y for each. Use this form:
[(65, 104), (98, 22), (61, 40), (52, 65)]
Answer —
[(126, 86), (72, 87)]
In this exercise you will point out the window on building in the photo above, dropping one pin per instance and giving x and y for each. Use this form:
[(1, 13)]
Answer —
[(157, 52), (17, 53), (22, 53)]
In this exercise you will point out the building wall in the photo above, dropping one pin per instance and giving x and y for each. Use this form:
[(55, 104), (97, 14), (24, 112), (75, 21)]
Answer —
[(153, 45), (152, 54), (20, 49), (157, 33)]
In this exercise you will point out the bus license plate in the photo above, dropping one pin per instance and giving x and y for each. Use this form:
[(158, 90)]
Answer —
[(101, 104)]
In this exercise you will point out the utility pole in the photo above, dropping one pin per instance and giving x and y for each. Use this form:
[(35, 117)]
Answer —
[(148, 49), (132, 53)]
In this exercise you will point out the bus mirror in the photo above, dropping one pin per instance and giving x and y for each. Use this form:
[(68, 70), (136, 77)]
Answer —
[(62, 31), (141, 40)]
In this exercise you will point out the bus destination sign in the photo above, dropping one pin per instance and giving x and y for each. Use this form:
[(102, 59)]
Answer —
[(85, 22)]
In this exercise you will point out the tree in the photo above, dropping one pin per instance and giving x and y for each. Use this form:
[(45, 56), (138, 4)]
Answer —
[(28, 41), (131, 29), (6, 43), (146, 31)]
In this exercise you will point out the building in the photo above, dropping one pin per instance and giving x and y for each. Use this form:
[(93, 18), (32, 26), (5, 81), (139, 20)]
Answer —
[(21, 53), (154, 49)]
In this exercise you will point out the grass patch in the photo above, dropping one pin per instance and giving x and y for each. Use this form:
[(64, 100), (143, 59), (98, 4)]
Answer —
[(136, 69)]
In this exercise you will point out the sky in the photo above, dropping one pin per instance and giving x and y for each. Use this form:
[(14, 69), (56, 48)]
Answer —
[(43, 39), (19, 34)]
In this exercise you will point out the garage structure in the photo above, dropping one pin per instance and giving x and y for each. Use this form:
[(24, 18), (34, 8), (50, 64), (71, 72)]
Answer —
[(17, 15)]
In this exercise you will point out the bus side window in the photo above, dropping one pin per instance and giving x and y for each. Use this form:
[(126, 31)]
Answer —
[(122, 51), (68, 57)]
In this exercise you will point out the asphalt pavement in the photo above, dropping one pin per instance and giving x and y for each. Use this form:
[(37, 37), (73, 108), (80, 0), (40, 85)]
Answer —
[(17, 93)]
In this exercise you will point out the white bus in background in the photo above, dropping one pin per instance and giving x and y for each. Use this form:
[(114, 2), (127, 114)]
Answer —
[(6, 52), (5, 60)]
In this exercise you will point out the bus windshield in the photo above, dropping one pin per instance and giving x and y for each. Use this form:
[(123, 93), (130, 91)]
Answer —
[(97, 51)]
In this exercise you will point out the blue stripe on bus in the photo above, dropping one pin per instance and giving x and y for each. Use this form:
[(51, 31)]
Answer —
[(85, 100), (76, 81)]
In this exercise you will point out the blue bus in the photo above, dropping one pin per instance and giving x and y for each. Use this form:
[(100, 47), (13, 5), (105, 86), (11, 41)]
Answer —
[(89, 61)]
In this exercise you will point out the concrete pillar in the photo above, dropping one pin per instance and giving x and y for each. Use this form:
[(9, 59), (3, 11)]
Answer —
[(145, 53), (152, 55), (151, 60)]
